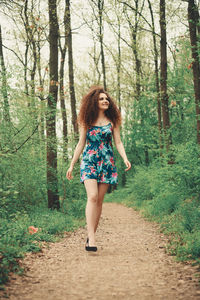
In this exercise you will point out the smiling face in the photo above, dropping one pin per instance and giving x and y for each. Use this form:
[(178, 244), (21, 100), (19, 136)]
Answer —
[(103, 102)]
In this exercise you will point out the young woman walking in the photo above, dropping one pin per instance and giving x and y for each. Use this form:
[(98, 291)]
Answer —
[(99, 120)]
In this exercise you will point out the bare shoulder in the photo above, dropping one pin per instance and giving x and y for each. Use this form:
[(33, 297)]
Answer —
[(82, 129)]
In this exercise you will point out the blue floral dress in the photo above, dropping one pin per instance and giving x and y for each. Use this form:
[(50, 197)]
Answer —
[(98, 162)]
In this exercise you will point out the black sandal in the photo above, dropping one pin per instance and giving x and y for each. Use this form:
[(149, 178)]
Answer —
[(88, 248)]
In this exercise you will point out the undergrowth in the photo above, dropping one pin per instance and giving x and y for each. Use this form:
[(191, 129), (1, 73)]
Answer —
[(170, 195), (26, 231)]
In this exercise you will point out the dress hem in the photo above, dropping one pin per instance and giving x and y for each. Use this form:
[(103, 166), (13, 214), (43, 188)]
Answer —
[(98, 181)]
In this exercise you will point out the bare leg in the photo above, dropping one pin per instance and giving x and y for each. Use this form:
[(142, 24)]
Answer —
[(91, 208), (102, 189)]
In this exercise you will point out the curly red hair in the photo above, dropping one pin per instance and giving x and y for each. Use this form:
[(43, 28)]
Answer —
[(89, 108)]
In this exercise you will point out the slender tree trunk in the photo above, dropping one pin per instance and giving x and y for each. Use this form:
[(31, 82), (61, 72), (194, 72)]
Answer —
[(100, 10), (163, 74), (28, 42), (134, 32), (52, 182), (119, 64), (135, 51), (137, 62), (156, 75), (26, 68), (64, 119), (62, 98), (70, 66), (6, 109), (96, 58), (26, 49), (32, 42), (41, 117), (193, 28), (33, 71)]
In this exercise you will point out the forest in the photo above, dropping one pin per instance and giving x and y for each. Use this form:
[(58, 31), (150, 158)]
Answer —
[(146, 54)]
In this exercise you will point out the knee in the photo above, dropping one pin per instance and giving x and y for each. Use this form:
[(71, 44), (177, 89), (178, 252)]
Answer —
[(99, 201), (93, 198)]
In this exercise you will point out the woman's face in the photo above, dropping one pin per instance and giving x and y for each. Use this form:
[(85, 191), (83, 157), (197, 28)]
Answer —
[(103, 102)]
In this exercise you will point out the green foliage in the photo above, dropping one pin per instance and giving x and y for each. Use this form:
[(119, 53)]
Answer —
[(170, 194), (23, 194), (16, 239), (72, 193)]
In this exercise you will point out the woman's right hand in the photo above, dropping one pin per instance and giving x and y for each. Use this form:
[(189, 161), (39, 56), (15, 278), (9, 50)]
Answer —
[(69, 173)]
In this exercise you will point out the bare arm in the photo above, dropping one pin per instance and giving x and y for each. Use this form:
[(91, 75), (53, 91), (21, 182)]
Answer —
[(120, 147), (77, 152)]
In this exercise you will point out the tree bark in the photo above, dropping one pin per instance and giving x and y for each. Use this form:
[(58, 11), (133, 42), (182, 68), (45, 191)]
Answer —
[(52, 181), (100, 10), (135, 51), (26, 68), (134, 32), (26, 49), (119, 64), (62, 98), (31, 41), (41, 117), (156, 75), (193, 29), (163, 74), (6, 109), (70, 66)]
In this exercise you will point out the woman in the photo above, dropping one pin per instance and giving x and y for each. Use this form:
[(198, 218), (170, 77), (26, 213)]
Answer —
[(99, 119)]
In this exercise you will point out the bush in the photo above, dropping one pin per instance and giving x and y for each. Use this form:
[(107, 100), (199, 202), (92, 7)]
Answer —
[(170, 194), (17, 239)]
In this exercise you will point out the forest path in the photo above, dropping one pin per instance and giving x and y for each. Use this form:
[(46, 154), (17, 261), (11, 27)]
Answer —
[(130, 263)]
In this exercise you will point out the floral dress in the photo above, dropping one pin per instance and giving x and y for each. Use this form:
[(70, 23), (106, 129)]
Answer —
[(98, 162)]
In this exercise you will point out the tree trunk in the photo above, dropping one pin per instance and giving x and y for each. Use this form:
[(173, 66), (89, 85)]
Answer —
[(100, 10), (156, 75), (52, 181), (6, 109), (62, 98), (96, 57), (134, 32), (41, 117), (30, 41), (26, 25), (119, 64), (193, 29), (135, 51), (70, 66), (163, 74), (137, 62), (26, 68), (33, 70)]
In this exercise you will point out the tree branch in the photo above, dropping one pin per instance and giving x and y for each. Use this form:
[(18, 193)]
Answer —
[(28, 138)]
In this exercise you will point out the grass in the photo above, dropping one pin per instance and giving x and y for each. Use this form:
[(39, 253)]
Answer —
[(26, 232), (179, 220)]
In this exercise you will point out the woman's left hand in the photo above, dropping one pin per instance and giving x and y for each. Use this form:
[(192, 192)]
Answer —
[(128, 164)]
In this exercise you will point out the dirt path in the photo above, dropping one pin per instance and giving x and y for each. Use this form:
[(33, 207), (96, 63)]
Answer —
[(131, 263)]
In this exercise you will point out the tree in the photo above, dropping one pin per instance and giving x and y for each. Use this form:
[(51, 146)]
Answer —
[(156, 73), (63, 51), (52, 181), (100, 21), (70, 65), (6, 109), (97, 11), (163, 74), (193, 20), (134, 35)]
